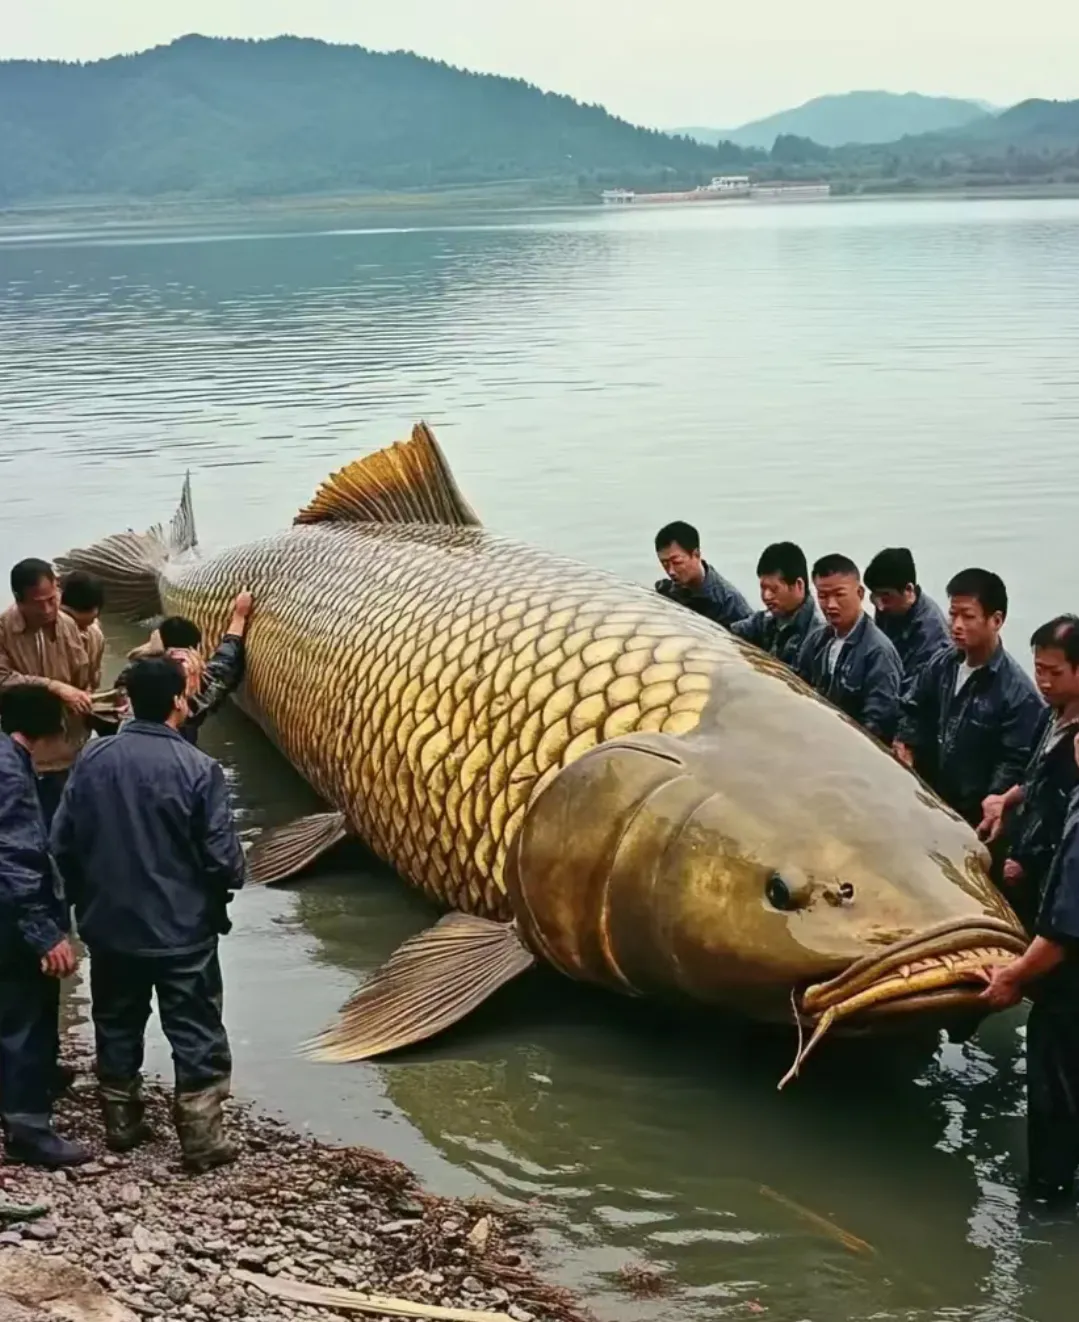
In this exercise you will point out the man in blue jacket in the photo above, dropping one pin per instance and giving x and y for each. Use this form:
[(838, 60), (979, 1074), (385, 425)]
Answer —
[(848, 660), (692, 581), (973, 718), (909, 617), (35, 952), (145, 840)]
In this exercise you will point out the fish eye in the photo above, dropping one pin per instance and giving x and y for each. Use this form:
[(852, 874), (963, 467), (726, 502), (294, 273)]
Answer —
[(780, 895)]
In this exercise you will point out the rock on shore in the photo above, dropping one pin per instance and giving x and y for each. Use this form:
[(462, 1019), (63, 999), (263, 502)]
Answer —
[(164, 1244)]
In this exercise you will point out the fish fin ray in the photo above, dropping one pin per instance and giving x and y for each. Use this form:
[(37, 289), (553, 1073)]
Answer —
[(429, 983), (129, 564), (407, 482), (283, 851)]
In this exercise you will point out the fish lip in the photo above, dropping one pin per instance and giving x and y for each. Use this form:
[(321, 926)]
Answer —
[(942, 947)]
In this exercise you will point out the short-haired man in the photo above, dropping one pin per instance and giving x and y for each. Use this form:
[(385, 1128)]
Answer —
[(904, 612), (694, 583), (35, 952), (82, 597), (1049, 974), (145, 840), (209, 683), (973, 717), (790, 614), (848, 660), (39, 644), (1029, 817)]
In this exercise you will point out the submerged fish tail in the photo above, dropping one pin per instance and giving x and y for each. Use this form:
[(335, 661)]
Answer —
[(129, 564)]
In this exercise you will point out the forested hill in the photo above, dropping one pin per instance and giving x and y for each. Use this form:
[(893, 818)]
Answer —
[(214, 117)]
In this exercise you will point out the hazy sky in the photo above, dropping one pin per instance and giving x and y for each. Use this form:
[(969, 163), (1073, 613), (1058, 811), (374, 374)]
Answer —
[(664, 62)]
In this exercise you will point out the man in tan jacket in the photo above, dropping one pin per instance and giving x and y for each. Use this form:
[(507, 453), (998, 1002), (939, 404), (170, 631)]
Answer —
[(39, 644)]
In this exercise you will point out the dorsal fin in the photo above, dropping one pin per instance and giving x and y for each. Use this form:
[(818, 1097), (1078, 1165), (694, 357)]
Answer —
[(408, 482)]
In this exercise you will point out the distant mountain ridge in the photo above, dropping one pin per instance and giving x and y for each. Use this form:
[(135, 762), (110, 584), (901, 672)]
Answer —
[(851, 117), (221, 117)]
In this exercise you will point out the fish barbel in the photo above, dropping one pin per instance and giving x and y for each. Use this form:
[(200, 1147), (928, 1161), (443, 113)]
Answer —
[(581, 771)]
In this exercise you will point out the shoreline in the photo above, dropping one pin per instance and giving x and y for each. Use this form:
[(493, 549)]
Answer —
[(164, 1244), (134, 215)]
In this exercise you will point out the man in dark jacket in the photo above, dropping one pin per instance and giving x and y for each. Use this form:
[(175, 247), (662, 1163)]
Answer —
[(1029, 817), (35, 952), (1049, 974), (974, 717), (691, 581), (848, 660), (909, 617), (790, 614), (210, 684), (145, 840)]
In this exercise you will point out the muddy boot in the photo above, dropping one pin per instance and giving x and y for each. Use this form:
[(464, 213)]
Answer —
[(123, 1109), (32, 1141), (201, 1129)]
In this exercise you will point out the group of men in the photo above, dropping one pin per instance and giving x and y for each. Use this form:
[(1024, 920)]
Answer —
[(133, 831), (1002, 749)]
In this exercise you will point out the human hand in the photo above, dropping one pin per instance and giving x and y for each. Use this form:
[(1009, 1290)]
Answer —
[(992, 822), (77, 699), (61, 961), (192, 665), (1013, 872), (243, 605), (1003, 990), (904, 753)]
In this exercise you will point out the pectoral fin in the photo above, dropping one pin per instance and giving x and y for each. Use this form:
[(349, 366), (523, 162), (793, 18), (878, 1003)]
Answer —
[(283, 851), (429, 983)]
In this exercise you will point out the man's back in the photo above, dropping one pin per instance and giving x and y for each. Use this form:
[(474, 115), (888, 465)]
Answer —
[(145, 840)]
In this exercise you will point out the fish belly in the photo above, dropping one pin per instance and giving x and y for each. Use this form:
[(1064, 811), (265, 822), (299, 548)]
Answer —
[(430, 681)]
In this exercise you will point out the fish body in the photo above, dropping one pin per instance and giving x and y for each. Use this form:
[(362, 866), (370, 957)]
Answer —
[(628, 791)]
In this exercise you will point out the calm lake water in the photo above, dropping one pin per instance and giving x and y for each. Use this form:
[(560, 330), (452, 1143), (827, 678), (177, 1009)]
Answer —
[(845, 375)]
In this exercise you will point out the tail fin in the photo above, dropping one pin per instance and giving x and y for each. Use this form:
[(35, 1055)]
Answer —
[(129, 563)]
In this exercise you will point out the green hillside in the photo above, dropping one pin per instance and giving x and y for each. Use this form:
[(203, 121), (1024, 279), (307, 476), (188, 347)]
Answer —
[(225, 118), (852, 117)]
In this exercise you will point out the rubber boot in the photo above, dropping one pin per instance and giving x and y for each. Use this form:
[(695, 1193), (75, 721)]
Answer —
[(124, 1109), (32, 1141), (64, 1077), (201, 1128)]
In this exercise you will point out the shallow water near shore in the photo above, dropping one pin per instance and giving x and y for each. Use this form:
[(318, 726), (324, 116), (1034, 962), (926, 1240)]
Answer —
[(850, 376)]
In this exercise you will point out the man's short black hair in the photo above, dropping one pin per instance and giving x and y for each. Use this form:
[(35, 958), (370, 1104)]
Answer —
[(31, 710), (1062, 634), (985, 587), (785, 559), (153, 685), (680, 532), (28, 574), (835, 563), (82, 592), (891, 570), (176, 631)]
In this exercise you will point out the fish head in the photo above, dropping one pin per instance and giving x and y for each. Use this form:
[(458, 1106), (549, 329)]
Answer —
[(716, 870)]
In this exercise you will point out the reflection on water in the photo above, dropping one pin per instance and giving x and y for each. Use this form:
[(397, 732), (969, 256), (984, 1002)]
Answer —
[(848, 376)]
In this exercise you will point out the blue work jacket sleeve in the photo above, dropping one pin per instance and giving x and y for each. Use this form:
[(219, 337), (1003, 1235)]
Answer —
[(223, 676), (25, 885), (223, 854), (883, 679)]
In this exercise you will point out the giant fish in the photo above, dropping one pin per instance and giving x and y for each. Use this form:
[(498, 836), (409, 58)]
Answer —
[(582, 772)]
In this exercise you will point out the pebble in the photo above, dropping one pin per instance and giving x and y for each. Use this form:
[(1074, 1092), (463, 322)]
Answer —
[(165, 1244)]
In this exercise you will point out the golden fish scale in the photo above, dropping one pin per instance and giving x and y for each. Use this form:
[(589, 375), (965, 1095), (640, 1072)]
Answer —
[(429, 681)]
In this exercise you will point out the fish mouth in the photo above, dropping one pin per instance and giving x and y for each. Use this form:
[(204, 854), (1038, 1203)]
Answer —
[(941, 968)]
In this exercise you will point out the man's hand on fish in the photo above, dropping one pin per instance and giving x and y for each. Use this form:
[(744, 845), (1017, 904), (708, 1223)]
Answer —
[(61, 961), (904, 753), (77, 699), (1003, 990), (243, 604)]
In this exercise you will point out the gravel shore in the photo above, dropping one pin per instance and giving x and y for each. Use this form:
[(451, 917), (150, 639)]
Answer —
[(166, 1244)]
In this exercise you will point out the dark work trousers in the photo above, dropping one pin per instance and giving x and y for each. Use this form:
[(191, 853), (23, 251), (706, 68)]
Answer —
[(29, 1033), (1053, 1094), (189, 1000), (50, 790)]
